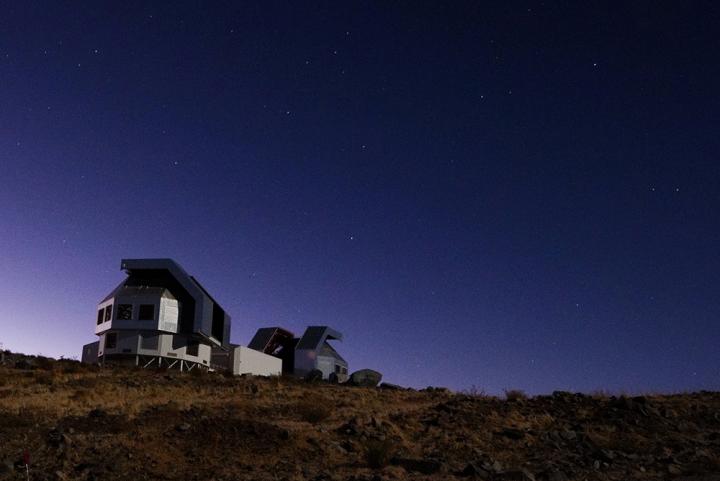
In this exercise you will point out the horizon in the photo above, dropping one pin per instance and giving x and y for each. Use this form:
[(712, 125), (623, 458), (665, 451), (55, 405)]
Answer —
[(516, 196)]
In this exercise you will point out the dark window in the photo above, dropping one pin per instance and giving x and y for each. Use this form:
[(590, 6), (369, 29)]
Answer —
[(218, 323), (344, 370), (192, 348), (111, 340), (101, 316), (337, 368), (108, 313), (147, 312), (124, 312)]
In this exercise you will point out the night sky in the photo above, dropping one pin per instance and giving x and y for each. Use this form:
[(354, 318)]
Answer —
[(519, 195)]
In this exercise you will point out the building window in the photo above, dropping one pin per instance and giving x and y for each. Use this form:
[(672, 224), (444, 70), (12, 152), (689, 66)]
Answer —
[(124, 312), (111, 340), (192, 348), (337, 368), (147, 312), (101, 316), (344, 370), (108, 313)]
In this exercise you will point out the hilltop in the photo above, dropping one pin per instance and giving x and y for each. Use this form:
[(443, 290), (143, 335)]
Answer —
[(81, 422)]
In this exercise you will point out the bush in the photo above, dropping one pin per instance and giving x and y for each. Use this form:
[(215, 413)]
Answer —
[(515, 394), (45, 363), (378, 453), (475, 391)]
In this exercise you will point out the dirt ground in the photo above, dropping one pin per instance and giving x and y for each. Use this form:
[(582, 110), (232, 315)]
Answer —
[(76, 422)]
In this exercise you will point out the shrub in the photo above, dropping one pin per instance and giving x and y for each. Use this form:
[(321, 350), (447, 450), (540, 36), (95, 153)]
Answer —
[(515, 394), (45, 363), (378, 453), (475, 391)]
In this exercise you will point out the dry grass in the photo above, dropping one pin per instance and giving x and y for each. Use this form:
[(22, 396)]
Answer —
[(148, 422), (313, 411)]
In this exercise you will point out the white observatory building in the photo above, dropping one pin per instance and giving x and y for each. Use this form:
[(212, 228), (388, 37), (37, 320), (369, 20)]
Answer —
[(161, 316)]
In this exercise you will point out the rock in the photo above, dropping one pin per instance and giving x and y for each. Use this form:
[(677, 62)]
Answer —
[(472, 469), (313, 376), (674, 469), (182, 427), (606, 454), (423, 466), (517, 475), (557, 476), (511, 433), (351, 427), (365, 378), (568, 435), (55, 437)]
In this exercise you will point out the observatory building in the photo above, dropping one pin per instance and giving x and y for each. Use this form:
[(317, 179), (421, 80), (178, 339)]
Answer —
[(311, 351), (162, 316)]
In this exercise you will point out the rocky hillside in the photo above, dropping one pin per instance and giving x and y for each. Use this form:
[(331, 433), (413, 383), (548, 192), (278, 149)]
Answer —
[(73, 422)]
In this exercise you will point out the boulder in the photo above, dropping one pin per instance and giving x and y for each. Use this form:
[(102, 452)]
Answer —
[(365, 378)]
